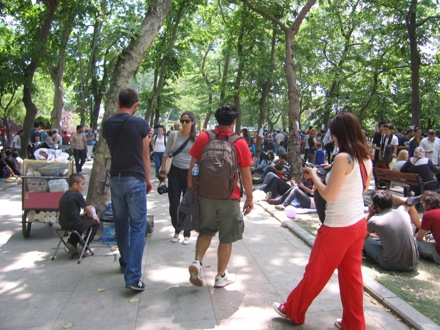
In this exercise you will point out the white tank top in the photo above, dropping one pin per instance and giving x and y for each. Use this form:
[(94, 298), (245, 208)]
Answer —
[(159, 144), (348, 207)]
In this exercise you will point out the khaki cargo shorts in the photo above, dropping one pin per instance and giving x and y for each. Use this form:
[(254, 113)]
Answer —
[(223, 216)]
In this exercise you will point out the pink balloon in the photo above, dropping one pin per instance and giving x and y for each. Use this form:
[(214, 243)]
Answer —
[(290, 212)]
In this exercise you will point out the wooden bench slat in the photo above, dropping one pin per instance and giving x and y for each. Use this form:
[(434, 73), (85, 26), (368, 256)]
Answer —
[(409, 180)]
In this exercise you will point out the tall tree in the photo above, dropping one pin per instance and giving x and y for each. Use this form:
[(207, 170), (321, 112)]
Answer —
[(36, 57), (293, 92), (165, 58), (67, 13), (126, 66)]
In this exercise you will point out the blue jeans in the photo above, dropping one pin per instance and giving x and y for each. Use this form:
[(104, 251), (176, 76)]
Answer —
[(129, 202), (157, 156), (374, 249), (427, 250)]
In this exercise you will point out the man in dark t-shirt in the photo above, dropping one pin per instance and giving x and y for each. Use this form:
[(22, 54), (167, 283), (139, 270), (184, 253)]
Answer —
[(70, 213), (128, 140)]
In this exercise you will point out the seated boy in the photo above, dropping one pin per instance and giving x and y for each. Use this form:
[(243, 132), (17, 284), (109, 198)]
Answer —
[(70, 213)]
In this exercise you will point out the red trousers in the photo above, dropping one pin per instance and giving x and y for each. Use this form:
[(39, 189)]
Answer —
[(334, 248)]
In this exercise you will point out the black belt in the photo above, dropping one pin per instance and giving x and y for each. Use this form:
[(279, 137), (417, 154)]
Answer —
[(123, 174)]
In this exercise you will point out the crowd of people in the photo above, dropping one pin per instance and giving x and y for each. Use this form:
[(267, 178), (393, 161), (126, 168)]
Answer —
[(337, 165)]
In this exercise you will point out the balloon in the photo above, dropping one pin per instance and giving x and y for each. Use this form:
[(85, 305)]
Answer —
[(290, 212)]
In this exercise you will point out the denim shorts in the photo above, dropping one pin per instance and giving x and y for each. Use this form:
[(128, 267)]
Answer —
[(223, 216)]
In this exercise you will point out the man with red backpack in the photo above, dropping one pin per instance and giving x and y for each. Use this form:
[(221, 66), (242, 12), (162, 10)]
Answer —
[(220, 155)]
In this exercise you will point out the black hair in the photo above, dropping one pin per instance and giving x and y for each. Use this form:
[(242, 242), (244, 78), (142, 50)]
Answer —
[(37, 123), (75, 178), (127, 98), (193, 132), (226, 114), (388, 125), (382, 199), (270, 155), (79, 127)]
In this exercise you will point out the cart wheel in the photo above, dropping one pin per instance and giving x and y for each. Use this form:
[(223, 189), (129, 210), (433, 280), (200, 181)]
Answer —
[(25, 226)]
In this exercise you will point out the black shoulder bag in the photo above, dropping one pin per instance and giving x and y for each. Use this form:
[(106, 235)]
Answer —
[(320, 202)]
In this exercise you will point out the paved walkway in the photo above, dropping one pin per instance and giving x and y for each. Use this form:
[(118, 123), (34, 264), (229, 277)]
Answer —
[(38, 293)]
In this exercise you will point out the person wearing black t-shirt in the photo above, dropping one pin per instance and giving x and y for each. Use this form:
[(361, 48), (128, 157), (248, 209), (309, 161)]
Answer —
[(71, 217), (128, 140)]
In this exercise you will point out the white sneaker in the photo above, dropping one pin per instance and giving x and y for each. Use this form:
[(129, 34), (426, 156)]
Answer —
[(221, 282), (185, 241), (175, 239), (194, 273), (338, 323)]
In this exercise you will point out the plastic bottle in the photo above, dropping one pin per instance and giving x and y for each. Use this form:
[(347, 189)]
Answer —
[(195, 170), (108, 235)]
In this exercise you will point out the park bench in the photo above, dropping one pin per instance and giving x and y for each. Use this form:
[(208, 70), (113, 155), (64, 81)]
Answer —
[(384, 178)]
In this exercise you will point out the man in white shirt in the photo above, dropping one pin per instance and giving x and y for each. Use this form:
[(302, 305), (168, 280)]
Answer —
[(389, 139), (431, 144)]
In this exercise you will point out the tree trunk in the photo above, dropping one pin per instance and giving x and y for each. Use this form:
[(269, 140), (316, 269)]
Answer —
[(266, 90), (411, 25), (294, 155), (57, 74), (239, 77), (225, 76), (29, 72), (127, 65), (164, 62), (209, 86), (293, 91)]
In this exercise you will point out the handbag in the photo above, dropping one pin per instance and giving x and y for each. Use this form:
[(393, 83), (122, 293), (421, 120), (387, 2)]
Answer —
[(169, 160), (320, 202)]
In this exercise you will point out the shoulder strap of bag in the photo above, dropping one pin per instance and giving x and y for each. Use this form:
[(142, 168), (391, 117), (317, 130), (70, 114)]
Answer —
[(363, 173), (181, 147)]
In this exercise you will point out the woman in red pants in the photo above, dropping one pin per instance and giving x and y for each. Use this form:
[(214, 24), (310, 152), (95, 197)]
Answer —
[(340, 239)]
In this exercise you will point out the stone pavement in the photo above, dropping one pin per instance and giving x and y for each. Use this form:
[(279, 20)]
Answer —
[(38, 293)]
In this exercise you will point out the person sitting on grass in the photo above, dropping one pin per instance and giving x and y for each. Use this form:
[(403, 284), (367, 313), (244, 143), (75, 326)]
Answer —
[(261, 162), (71, 217), (390, 240), (281, 168), (320, 155), (7, 172), (428, 237), (302, 191)]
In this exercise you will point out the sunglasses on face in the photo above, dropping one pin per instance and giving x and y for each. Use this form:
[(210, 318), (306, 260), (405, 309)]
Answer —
[(185, 121)]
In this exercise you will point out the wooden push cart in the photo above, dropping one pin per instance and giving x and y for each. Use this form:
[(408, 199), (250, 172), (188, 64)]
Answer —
[(43, 185)]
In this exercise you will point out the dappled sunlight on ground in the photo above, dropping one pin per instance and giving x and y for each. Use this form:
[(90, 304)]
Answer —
[(26, 260)]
